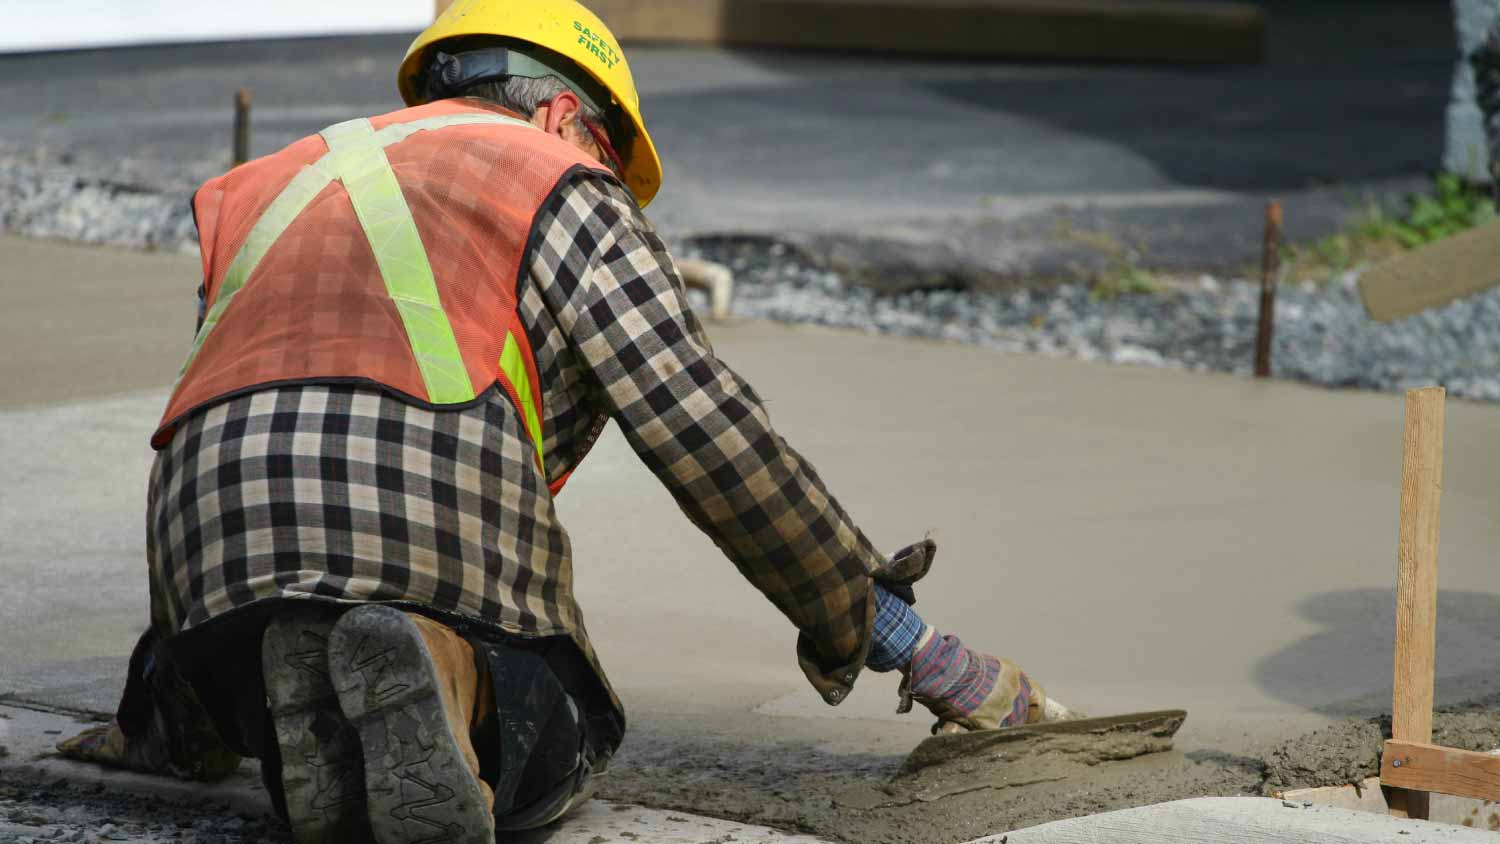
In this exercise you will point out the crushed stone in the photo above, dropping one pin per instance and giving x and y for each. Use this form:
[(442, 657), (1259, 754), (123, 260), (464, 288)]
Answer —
[(1322, 334)]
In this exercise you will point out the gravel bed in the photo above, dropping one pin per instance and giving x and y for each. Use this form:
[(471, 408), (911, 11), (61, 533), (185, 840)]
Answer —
[(1322, 333), (1322, 336), (122, 206)]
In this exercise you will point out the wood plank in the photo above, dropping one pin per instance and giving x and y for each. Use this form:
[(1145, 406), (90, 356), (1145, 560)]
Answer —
[(1433, 275), (1368, 796), (1416, 579), (1142, 30), (1428, 767)]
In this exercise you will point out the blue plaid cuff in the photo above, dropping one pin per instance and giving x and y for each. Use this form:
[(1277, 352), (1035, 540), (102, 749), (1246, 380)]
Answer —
[(897, 631)]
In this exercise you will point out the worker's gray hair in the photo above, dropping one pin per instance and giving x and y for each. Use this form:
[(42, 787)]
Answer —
[(525, 94)]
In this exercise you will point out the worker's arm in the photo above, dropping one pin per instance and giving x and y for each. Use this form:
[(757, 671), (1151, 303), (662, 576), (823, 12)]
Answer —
[(705, 433)]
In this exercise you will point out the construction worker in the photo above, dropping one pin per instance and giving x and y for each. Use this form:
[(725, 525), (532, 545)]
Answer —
[(412, 329)]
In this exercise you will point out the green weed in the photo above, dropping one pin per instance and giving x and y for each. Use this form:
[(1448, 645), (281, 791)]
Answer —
[(1376, 234)]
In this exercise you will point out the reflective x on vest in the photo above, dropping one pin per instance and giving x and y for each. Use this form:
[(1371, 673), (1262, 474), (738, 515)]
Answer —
[(356, 158)]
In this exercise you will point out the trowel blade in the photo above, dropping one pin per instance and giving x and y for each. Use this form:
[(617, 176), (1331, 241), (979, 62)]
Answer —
[(1112, 737)]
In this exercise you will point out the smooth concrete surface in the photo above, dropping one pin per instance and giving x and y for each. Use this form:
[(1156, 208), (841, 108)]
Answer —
[(81, 322), (1240, 820), (1136, 538)]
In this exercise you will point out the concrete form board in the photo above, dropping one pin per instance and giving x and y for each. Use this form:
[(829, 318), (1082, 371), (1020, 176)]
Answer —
[(1060, 29), (1071, 29), (1367, 796)]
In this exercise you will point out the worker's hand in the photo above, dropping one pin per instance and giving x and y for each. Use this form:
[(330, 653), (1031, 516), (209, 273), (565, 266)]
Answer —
[(108, 745), (969, 690)]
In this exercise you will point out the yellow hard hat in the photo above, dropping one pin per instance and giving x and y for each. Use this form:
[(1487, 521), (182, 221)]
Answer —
[(567, 29)]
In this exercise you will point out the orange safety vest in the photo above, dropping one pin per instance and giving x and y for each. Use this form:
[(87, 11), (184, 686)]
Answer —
[(384, 250)]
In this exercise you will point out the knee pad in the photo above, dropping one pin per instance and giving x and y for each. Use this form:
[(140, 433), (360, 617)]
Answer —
[(541, 761)]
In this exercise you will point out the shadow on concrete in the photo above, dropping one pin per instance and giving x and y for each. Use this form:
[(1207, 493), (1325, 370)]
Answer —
[(1345, 668)]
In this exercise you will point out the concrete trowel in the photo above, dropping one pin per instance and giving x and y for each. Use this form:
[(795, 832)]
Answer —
[(1096, 739)]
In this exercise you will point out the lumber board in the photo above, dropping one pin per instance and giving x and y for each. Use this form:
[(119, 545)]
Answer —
[(1144, 30), (1368, 796), (1433, 275), (1416, 580), (1428, 767)]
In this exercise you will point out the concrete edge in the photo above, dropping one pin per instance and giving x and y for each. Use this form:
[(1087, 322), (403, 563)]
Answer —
[(1144, 31), (1239, 820), (1367, 796), (27, 736)]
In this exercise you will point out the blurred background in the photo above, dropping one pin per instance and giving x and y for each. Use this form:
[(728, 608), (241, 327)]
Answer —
[(1076, 177)]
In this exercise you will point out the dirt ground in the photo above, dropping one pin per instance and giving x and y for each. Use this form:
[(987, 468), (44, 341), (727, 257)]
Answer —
[(802, 788)]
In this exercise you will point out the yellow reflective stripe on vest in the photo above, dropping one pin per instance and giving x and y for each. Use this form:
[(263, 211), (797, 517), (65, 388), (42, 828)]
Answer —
[(356, 156), (273, 221), (392, 232), (514, 367)]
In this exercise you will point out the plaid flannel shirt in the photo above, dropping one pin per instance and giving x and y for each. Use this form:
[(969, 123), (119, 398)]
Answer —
[(614, 337)]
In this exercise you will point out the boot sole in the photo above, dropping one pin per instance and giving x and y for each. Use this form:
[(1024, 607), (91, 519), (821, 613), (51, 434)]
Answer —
[(417, 783), (322, 773)]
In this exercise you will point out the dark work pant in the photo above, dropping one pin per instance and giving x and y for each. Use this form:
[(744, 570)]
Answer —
[(548, 737)]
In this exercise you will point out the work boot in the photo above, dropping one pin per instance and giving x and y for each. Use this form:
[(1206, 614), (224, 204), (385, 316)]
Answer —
[(322, 775), (410, 687), (968, 690)]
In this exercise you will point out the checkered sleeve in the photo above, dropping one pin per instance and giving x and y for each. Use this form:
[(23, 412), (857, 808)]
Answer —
[(701, 429)]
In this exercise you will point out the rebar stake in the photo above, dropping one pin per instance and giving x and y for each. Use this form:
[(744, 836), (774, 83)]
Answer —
[(1270, 267), (241, 126)]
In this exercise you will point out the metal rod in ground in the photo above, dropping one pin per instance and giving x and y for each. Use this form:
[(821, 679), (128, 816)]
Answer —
[(1270, 267), (241, 126)]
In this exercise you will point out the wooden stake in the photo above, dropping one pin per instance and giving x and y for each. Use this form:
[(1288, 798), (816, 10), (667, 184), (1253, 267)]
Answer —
[(1416, 582), (241, 126), (1270, 266)]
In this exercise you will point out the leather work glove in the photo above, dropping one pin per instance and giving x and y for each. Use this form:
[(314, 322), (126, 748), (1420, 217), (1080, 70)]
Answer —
[(969, 690)]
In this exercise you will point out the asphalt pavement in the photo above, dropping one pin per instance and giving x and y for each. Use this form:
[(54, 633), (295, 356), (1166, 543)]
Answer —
[(962, 171)]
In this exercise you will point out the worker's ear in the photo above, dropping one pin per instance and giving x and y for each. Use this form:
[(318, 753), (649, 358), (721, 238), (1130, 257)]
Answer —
[(562, 115)]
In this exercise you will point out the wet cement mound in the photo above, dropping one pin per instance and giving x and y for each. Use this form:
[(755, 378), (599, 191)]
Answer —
[(949, 765), (951, 789), (862, 797), (1349, 750)]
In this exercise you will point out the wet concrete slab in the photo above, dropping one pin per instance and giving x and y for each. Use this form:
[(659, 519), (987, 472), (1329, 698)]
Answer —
[(1137, 539)]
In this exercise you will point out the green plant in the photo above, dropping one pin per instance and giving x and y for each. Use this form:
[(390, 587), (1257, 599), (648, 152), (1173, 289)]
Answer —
[(1122, 278), (1453, 207), (1123, 273), (1376, 234)]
